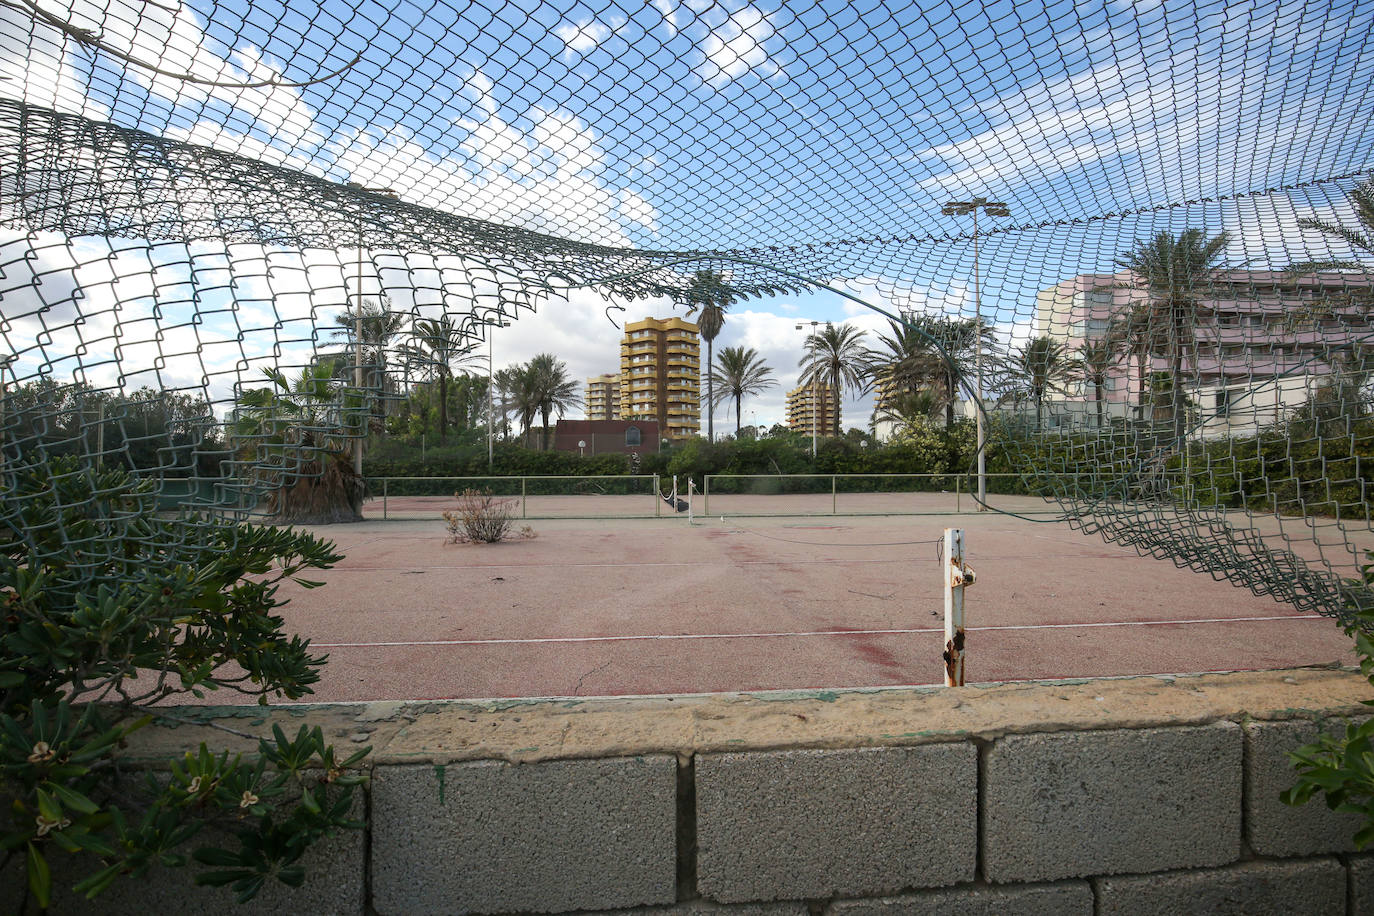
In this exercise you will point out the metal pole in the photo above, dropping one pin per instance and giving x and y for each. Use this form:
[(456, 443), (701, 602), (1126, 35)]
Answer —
[(658, 498), (523, 499), (384, 482), (978, 372), (957, 577), (358, 353), (834, 504), (815, 405), (706, 494), (491, 408)]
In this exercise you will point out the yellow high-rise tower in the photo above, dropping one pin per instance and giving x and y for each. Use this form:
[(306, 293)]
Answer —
[(660, 375)]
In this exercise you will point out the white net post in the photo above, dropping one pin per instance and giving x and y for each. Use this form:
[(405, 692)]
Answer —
[(957, 577)]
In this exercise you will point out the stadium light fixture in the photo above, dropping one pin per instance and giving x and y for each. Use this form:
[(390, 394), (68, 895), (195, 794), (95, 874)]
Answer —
[(991, 208)]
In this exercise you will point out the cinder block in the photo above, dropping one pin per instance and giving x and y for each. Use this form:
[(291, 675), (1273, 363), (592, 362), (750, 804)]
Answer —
[(707, 908), (1361, 868), (1273, 828), (1074, 804), (798, 825), (1313, 887), (1067, 898), (491, 837)]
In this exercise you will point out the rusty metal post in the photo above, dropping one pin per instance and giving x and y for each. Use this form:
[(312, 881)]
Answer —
[(958, 576)]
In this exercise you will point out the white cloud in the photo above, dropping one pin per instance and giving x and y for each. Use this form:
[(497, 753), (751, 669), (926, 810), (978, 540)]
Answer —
[(736, 47), (587, 35), (36, 68), (636, 209), (673, 15)]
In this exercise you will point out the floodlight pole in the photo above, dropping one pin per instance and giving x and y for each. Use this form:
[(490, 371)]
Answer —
[(358, 332), (491, 383), (815, 406), (959, 208)]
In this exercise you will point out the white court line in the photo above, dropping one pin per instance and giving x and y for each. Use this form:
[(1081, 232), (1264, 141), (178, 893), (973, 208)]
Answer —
[(782, 635)]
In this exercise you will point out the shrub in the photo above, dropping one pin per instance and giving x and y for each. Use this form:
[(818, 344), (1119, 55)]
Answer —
[(1341, 767), (481, 518), (109, 610)]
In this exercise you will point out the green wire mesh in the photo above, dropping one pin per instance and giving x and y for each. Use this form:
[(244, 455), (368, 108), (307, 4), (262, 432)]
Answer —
[(1166, 233)]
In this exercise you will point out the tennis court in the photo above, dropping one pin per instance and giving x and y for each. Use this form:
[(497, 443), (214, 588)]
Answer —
[(635, 606)]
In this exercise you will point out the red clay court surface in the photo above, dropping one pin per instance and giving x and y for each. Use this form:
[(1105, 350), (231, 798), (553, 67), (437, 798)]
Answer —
[(658, 606)]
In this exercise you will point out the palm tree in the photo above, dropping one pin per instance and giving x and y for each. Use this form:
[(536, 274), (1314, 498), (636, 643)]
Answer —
[(909, 409), (439, 345), (524, 397), (1170, 270), (1093, 364), (380, 326), (836, 358), (295, 434), (935, 353), (1038, 368), (711, 296), (552, 389), (507, 395), (1359, 240), (738, 372)]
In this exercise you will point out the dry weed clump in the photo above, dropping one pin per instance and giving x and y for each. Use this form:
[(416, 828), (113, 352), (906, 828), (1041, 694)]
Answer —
[(482, 519)]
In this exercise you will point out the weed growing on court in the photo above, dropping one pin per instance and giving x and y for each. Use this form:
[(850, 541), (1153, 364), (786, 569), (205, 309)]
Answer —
[(482, 519)]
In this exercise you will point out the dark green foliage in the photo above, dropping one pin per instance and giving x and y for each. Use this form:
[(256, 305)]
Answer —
[(1341, 767), (109, 610)]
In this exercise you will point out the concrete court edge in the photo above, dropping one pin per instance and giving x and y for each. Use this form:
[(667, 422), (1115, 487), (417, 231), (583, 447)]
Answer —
[(536, 729)]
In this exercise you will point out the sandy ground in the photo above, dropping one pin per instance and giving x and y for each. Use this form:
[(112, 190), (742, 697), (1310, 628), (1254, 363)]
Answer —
[(660, 606)]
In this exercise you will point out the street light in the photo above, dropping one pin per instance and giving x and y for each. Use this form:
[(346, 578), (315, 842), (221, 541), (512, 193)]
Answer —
[(491, 384), (815, 408), (358, 325), (991, 208)]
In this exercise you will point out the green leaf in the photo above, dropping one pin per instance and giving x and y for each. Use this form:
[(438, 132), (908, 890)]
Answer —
[(221, 858), (40, 878), (221, 878), (72, 799)]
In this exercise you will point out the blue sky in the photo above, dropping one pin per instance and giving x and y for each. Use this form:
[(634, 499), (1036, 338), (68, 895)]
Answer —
[(702, 125)]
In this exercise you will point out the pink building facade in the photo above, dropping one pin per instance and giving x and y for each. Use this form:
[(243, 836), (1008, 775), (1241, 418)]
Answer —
[(1259, 343)]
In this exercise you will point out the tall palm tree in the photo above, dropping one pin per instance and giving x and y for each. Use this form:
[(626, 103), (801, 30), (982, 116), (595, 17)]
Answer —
[(1041, 366), (439, 345), (507, 382), (524, 397), (1171, 271), (708, 297), (739, 371), (836, 357), (1093, 364), (552, 389)]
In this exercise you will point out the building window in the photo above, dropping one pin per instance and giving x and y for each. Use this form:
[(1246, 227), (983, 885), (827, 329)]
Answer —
[(633, 436)]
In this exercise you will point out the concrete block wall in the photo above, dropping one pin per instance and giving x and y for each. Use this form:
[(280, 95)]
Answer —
[(968, 802)]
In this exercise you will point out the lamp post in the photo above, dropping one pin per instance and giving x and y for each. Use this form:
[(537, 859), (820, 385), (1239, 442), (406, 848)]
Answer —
[(991, 208), (358, 326), (815, 406), (491, 385)]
